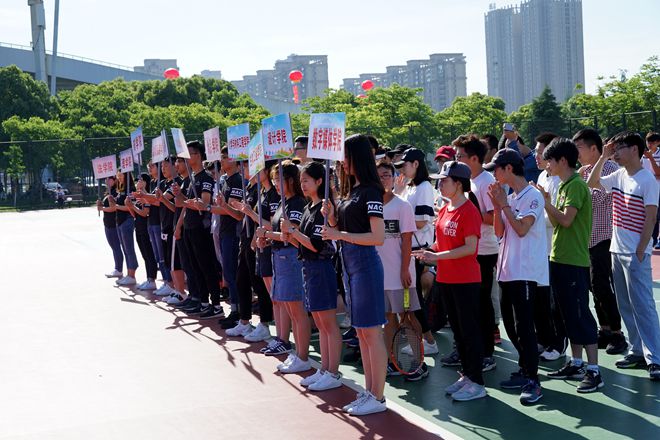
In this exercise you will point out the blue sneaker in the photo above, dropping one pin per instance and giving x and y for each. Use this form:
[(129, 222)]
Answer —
[(531, 392)]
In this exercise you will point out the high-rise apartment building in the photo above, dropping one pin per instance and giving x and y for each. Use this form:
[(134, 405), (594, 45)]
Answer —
[(532, 45), (442, 78), (275, 84)]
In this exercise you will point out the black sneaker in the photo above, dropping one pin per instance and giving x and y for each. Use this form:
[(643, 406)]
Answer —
[(631, 361), (419, 374), (568, 371), (198, 309), (515, 381), (186, 303), (452, 360), (531, 392), (230, 321), (212, 312), (349, 334), (392, 371), (591, 382), (654, 372), (193, 307), (617, 344), (604, 338)]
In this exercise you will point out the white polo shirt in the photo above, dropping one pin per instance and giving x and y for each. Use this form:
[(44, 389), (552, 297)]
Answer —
[(479, 186), (523, 258)]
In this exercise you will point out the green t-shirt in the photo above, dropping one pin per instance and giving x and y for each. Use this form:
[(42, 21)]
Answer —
[(571, 245)]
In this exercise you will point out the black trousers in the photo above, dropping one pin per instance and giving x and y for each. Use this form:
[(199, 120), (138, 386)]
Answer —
[(421, 314), (462, 304), (602, 286), (247, 281), (487, 313), (144, 244), (201, 252), (518, 316), (550, 331)]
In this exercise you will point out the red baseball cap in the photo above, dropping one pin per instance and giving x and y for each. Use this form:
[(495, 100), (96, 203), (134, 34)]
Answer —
[(445, 152)]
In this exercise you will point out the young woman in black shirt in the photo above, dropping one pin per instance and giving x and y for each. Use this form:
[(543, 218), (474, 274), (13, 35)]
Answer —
[(287, 269), (125, 226), (358, 223), (142, 212), (320, 278), (110, 226)]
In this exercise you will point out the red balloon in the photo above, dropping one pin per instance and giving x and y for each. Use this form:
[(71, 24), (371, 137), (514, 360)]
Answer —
[(295, 76), (367, 85), (361, 96), (171, 73)]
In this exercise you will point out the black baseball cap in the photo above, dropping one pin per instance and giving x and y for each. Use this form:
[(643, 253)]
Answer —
[(505, 156), (455, 169), (399, 149), (411, 155)]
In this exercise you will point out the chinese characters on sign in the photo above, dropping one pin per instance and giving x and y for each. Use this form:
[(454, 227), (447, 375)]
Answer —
[(137, 144), (212, 144), (326, 136), (158, 149), (104, 167), (126, 161), (238, 138), (277, 137), (256, 159)]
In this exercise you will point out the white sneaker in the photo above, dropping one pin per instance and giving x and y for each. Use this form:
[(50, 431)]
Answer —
[(552, 355), (126, 281), (429, 349), (240, 329), (360, 396), (456, 386), (165, 290), (114, 274), (260, 333), (346, 322), (307, 381), (470, 391), (327, 382), (296, 366), (287, 361), (369, 405), (148, 285), (175, 298)]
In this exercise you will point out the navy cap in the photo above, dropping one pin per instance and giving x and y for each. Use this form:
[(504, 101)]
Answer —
[(503, 157), (411, 155)]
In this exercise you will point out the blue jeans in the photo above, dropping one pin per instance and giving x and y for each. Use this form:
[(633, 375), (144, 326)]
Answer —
[(229, 250), (112, 235), (159, 252), (125, 231), (633, 285)]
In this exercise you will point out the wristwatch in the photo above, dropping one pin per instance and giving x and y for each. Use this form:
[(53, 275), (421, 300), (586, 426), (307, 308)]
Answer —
[(208, 207)]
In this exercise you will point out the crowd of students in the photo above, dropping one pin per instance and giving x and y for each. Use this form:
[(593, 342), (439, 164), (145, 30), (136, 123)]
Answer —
[(502, 243)]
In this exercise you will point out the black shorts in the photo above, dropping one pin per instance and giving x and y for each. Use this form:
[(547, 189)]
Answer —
[(570, 287)]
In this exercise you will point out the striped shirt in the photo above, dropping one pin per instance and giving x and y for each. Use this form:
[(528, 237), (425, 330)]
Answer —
[(630, 197), (601, 201)]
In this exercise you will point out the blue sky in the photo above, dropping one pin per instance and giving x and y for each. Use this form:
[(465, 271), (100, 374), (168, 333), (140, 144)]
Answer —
[(241, 37)]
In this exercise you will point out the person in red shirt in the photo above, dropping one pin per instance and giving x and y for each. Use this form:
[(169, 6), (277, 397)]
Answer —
[(457, 232)]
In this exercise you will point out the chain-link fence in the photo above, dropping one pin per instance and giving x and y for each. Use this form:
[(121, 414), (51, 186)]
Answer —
[(73, 171)]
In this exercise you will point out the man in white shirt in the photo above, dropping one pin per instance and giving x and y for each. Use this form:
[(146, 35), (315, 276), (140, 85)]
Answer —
[(651, 161), (519, 223), (634, 212)]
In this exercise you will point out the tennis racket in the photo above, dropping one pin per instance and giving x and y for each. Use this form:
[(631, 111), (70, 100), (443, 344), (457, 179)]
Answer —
[(407, 351)]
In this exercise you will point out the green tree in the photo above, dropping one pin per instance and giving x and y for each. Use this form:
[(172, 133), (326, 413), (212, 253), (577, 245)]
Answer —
[(15, 167), (476, 113)]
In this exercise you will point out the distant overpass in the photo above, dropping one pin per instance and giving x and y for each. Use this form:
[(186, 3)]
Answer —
[(71, 70)]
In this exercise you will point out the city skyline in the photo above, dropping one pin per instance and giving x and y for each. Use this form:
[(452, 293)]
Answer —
[(365, 41)]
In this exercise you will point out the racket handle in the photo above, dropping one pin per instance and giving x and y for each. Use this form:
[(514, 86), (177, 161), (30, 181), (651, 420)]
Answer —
[(406, 298)]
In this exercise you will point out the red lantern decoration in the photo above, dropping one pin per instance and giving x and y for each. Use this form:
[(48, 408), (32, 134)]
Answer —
[(295, 76), (171, 73), (367, 85)]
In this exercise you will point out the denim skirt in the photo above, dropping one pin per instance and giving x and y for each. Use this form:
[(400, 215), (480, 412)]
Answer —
[(287, 275), (366, 285), (320, 281), (264, 265)]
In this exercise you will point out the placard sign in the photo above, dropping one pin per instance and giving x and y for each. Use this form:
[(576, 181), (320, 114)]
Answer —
[(238, 138), (137, 143), (180, 143), (126, 161), (158, 149), (277, 137), (212, 144), (105, 167), (326, 136), (256, 160)]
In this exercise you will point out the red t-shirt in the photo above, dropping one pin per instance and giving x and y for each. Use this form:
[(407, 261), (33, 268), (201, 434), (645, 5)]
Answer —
[(451, 228)]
